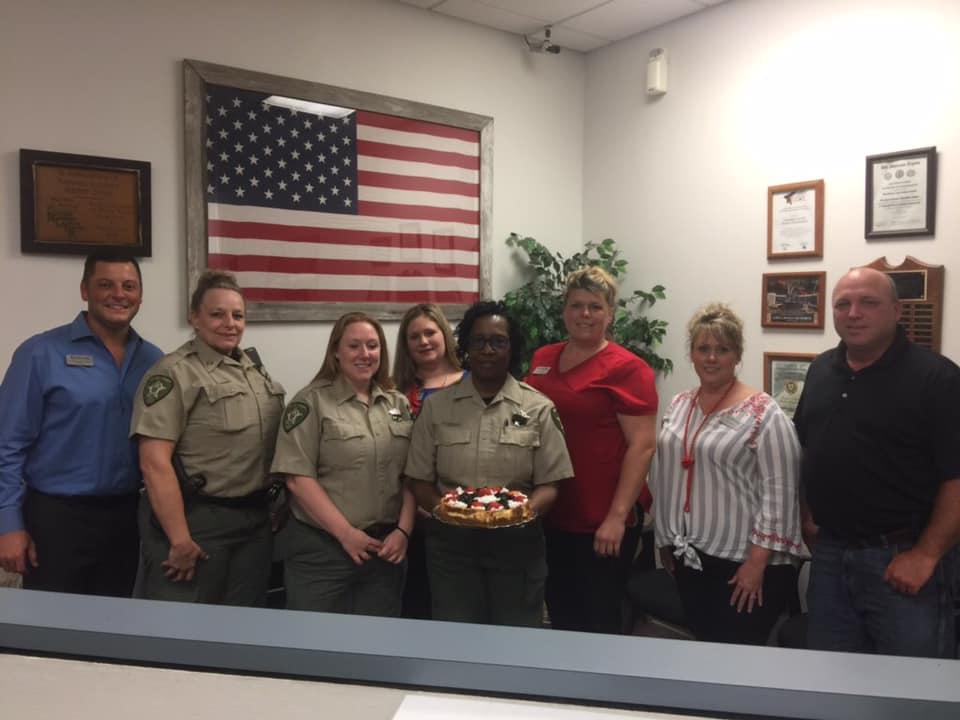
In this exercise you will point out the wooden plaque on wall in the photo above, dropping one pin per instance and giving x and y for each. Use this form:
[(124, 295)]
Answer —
[(920, 287)]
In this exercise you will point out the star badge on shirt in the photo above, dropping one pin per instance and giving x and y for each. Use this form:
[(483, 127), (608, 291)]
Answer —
[(156, 388), (295, 414)]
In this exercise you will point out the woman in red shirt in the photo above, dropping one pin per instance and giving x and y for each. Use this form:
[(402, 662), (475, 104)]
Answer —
[(607, 401)]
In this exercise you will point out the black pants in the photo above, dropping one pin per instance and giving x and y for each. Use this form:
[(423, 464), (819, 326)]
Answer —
[(416, 590), (320, 576), (585, 592), (489, 576), (239, 546), (85, 544), (706, 601)]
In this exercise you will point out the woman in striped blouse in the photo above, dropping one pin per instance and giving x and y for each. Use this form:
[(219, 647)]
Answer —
[(725, 487)]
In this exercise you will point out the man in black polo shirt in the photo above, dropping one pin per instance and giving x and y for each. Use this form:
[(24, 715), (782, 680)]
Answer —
[(879, 422)]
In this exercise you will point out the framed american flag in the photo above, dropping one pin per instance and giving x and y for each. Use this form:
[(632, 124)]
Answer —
[(324, 200)]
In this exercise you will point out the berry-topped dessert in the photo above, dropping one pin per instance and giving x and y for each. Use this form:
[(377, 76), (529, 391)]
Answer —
[(488, 507)]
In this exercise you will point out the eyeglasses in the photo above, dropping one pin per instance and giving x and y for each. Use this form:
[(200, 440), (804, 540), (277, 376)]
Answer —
[(496, 342)]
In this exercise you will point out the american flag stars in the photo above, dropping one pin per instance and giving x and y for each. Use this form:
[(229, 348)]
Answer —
[(278, 157)]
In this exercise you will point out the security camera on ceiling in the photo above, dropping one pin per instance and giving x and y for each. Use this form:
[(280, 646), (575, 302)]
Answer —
[(544, 45)]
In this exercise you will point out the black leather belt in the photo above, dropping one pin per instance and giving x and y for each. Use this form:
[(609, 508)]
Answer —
[(256, 499), (893, 537)]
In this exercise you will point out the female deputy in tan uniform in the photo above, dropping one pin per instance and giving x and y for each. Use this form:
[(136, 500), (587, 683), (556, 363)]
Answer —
[(342, 447), (207, 407), (488, 430)]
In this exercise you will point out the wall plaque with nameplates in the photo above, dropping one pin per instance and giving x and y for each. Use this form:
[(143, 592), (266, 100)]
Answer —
[(920, 287)]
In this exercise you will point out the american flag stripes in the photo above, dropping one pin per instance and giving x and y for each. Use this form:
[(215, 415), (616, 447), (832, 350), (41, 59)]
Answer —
[(367, 208)]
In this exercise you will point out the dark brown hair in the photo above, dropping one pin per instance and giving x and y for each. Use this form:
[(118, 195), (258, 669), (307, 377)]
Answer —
[(108, 256)]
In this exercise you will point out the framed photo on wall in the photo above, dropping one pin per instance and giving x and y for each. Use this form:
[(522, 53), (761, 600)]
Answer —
[(783, 377), (793, 300), (901, 194), (795, 220), (324, 200), (75, 204)]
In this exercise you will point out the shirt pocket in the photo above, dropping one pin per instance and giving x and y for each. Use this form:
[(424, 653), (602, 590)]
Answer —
[(232, 406), (455, 453), (273, 408), (343, 445), (401, 429), (515, 450)]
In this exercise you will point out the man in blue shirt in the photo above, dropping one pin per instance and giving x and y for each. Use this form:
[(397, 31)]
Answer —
[(69, 475)]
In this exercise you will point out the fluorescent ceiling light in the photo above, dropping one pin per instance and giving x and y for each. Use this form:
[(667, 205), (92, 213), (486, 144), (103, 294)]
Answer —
[(308, 107)]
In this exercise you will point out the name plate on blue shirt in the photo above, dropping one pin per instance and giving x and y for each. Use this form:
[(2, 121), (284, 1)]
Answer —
[(80, 360)]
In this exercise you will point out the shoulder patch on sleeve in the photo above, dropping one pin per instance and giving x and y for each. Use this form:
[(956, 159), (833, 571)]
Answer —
[(295, 414), (556, 420), (156, 388)]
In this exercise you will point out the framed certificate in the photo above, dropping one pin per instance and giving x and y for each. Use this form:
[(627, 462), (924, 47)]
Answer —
[(783, 378), (74, 204), (795, 220), (901, 194), (793, 300)]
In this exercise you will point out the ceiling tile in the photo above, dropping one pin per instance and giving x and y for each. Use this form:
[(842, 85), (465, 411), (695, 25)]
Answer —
[(490, 16), (622, 18), (548, 11), (573, 39), (593, 23), (421, 3)]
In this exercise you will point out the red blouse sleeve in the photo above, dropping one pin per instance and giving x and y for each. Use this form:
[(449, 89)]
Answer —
[(633, 386)]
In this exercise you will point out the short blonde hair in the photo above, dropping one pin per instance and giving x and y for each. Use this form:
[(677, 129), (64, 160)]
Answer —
[(593, 279), (721, 322)]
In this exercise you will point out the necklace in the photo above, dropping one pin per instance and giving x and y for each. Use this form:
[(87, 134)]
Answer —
[(687, 461), (446, 379)]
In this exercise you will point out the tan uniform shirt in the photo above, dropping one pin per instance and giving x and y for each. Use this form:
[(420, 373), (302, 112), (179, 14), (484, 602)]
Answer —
[(516, 441), (355, 452), (222, 413)]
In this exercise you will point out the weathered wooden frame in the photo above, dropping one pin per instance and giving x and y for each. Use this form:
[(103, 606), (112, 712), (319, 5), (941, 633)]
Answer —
[(197, 74)]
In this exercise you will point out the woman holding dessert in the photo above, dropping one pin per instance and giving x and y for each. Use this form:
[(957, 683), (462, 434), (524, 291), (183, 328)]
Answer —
[(489, 430), (342, 446), (725, 488), (608, 403)]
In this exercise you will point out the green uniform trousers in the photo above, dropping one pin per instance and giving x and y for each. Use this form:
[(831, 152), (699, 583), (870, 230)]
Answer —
[(492, 576), (239, 542), (320, 576)]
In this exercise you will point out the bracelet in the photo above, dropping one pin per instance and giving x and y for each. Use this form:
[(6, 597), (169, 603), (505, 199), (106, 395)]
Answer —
[(405, 533)]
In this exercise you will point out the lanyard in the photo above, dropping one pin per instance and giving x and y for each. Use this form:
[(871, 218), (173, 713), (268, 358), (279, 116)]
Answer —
[(688, 453)]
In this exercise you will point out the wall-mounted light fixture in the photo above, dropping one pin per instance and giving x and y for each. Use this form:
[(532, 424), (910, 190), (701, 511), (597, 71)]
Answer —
[(657, 72)]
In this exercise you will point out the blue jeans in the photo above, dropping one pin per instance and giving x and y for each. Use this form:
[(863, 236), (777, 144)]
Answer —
[(853, 609)]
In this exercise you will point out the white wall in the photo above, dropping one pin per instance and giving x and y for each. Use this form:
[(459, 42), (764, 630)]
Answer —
[(761, 93), (764, 93), (103, 77)]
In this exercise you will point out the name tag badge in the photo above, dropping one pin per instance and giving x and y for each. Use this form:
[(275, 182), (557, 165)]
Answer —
[(541, 370), (80, 360)]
